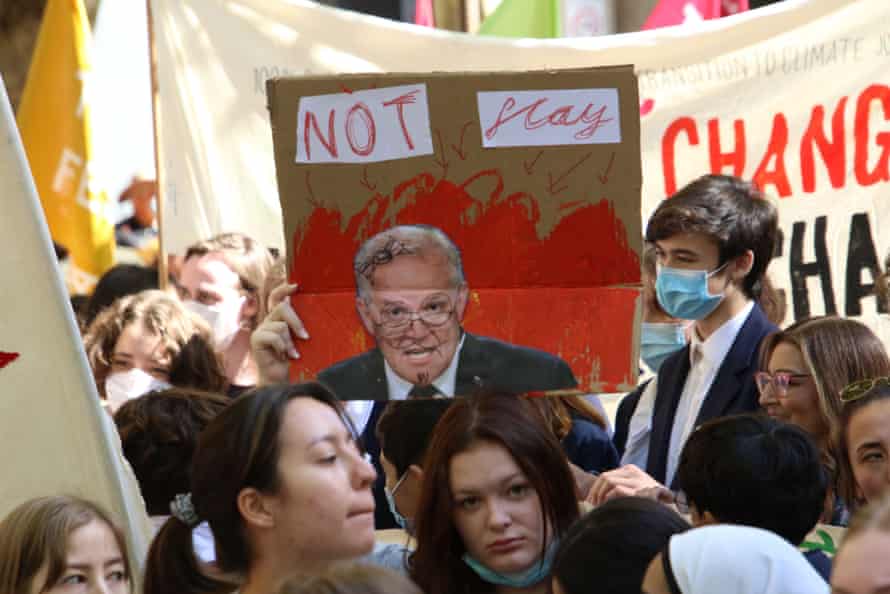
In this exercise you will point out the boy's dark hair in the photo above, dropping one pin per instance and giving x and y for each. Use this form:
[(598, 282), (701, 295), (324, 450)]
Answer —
[(405, 427), (159, 433), (755, 471), (608, 550), (732, 212)]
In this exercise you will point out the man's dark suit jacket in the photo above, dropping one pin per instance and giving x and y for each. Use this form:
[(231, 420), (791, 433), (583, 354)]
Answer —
[(483, 363), (733, 391)]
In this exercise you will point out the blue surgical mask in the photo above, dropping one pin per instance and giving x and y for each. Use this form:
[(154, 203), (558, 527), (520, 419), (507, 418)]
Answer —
[(684, 294), (522, 579), (401, 520), (658, 341)]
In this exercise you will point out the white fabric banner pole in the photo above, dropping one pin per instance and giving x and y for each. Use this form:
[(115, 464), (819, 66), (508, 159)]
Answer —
[(58, 440)]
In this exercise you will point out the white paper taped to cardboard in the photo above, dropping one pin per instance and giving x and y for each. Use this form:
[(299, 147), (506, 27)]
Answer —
[(549, 117), (364, 126)]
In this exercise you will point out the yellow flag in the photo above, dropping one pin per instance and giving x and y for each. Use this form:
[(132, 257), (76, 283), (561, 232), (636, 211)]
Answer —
[(54, 121)]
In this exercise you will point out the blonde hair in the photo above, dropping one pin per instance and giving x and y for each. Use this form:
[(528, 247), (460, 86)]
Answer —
[(247, 258), (163, 315), (35, 535), (352, 579), (837, 352)]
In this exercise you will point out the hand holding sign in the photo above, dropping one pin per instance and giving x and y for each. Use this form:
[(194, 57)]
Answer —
[(271, 343)]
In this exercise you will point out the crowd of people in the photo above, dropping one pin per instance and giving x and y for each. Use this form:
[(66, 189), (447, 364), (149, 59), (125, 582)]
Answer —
[(432, 464)]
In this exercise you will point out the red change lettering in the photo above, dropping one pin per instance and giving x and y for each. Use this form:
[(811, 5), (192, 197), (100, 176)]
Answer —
[(776, 174), (833, 152), (879, 172), (734, 158), (816, 144)]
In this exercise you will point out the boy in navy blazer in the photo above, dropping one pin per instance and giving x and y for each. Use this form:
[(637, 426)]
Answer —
[(713, 241)]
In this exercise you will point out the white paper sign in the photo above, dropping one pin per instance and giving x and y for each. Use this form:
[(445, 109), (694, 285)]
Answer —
[(364, 126), (549, 117)]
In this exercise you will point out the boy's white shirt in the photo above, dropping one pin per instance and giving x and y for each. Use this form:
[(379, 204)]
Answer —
[(701, 376), (639, 431)]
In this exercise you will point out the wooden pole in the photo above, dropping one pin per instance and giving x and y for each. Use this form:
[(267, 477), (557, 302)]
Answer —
[(159, 179), (472, 15)]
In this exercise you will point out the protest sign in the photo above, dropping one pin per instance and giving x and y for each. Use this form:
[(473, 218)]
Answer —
[(535, 176), (57, 438)]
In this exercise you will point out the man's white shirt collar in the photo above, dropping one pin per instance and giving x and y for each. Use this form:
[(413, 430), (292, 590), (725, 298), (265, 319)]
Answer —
[(714, 348), (699, 381), (360, 410)]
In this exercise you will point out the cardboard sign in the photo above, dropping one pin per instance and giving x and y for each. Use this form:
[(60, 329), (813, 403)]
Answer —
[(546, 213)]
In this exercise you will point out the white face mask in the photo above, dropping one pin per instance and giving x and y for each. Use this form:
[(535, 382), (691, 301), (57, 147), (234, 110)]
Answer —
[(224, 319), (126, 385)]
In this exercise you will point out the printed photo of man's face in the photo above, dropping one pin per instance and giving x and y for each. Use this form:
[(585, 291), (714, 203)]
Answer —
[(414, 309)]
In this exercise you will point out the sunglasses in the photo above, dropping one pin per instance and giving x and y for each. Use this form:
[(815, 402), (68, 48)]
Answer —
[(857, 390)]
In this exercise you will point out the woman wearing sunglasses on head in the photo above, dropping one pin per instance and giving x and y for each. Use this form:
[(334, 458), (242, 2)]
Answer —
[(864, 441), (804, 368)]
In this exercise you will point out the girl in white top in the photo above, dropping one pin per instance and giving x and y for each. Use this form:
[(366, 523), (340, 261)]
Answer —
[(731, 560), (281, 482)]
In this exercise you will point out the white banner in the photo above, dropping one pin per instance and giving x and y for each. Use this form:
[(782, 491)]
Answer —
[(795, 96), (56, 437)]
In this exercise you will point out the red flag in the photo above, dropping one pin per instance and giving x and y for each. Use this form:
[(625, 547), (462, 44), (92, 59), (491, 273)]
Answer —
[(424, 15), (677, 12)]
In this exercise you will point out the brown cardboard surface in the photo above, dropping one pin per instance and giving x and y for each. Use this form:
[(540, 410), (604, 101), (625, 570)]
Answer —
[(452, 105), (560, 220)]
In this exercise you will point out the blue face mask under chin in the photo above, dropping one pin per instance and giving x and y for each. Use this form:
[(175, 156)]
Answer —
[(684, 294), (401, 520), (658, 341), (535, 574)]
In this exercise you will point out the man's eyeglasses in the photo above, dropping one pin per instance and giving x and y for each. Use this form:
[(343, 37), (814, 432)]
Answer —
[(779, 381), (434, 312), (857, 390)]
